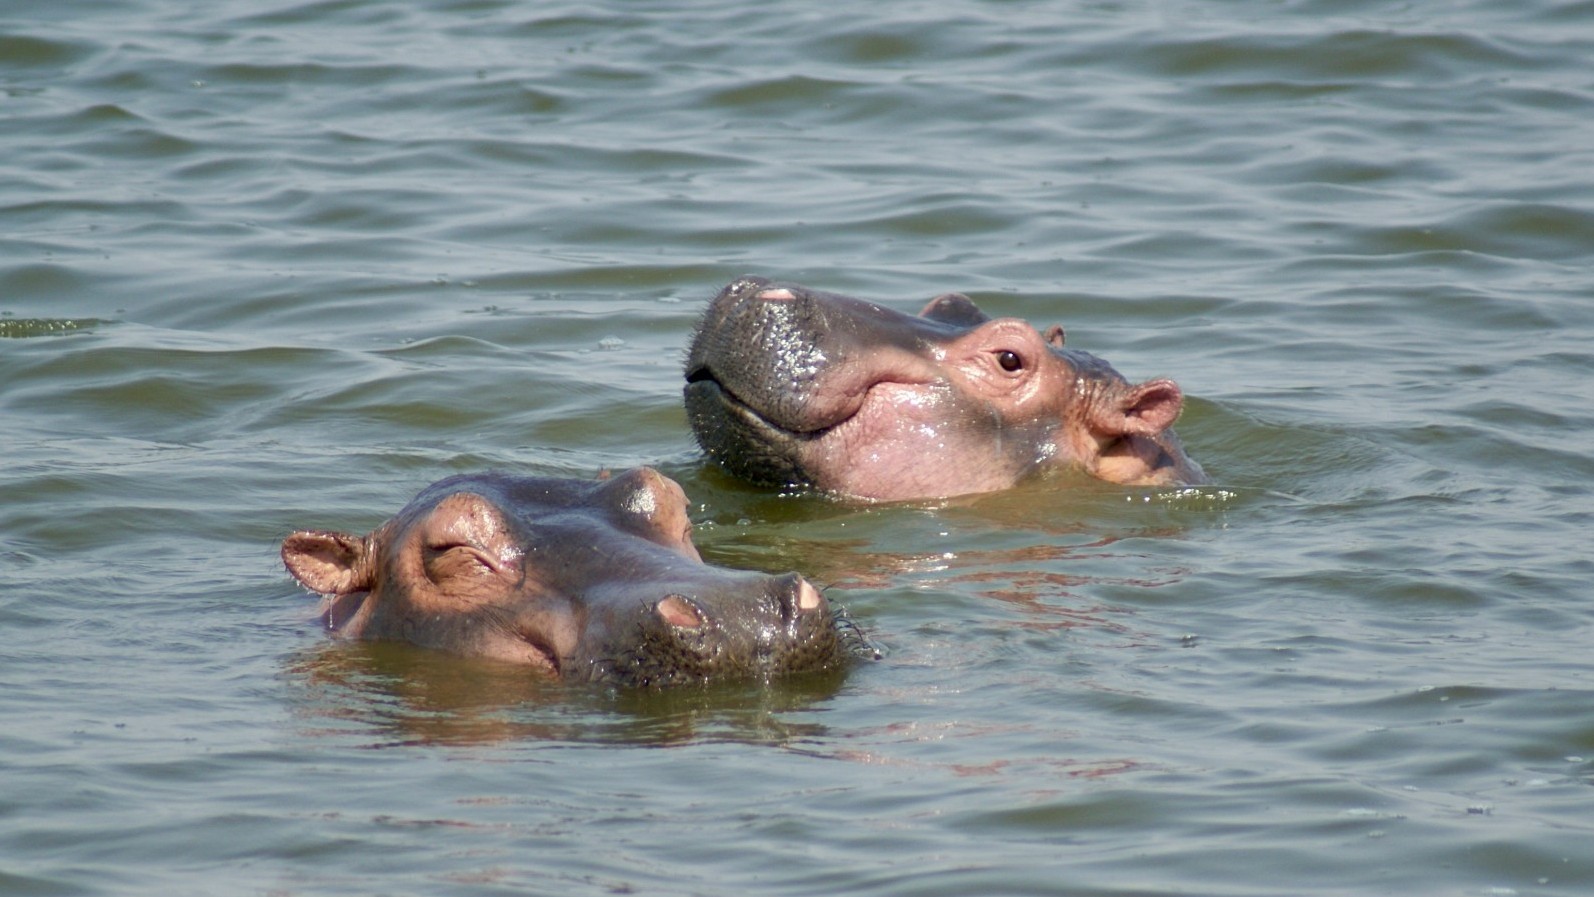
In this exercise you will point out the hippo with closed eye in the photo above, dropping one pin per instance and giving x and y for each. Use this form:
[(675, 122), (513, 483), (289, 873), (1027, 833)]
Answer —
[(787, 386), (588, 580)]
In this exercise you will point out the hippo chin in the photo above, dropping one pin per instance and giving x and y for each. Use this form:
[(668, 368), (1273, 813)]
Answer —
[(787, 386), (587, 580)]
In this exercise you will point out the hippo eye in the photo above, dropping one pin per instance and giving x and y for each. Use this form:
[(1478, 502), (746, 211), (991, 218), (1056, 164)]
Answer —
[(1009, 360)]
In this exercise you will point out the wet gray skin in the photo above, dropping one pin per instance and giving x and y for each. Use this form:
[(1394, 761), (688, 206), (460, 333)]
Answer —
[(587, 580), (787, 386)]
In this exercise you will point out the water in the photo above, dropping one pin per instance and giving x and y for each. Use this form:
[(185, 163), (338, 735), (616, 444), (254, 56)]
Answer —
[(268, 266)]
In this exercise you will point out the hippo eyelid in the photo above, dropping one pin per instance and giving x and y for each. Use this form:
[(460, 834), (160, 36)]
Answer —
[(477, 554)]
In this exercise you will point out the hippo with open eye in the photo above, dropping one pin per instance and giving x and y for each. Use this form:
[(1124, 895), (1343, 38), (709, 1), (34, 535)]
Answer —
[(588, 580), (787, 386)]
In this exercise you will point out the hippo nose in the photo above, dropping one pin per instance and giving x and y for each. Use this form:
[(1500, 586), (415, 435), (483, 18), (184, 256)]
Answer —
[(776, 294), (798, 596), (679, 611)]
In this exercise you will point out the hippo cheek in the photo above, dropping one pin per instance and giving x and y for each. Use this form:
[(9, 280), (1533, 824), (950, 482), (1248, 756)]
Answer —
[(911, 441), (549, 633)]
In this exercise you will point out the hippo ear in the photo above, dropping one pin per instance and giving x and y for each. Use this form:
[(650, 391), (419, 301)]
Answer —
[(326, 562), (955, 309), (1143, 410)]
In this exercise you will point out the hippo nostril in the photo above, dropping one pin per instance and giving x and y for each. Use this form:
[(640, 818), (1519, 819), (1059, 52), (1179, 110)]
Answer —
[(798, 596), (807, 596), (680, 612)]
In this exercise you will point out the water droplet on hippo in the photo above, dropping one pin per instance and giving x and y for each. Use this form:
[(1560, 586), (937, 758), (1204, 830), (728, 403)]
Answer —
[(642, 503)]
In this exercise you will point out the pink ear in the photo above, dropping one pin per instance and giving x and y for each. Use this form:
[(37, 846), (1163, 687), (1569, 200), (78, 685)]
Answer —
[(326, 562), (1144, 410)]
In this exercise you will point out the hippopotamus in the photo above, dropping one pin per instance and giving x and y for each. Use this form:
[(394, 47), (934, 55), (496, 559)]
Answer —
[(793, 387), (587, 580)]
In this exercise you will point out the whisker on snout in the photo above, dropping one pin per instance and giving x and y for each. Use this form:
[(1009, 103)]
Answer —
[(853, 636)]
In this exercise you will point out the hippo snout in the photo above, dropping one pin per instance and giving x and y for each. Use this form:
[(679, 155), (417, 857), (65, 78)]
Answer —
[(775, 627), (791, 597)]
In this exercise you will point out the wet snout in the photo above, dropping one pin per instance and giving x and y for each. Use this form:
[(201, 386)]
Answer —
[(798, 596), (680, 612), (791, 597), (799, 360), (795, 598), (843, 326), (742, 626)]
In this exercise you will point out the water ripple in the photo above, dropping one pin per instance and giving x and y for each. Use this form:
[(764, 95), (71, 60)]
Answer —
[(265, 268)]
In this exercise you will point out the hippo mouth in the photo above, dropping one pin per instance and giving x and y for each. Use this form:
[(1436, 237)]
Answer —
[(812, 427)]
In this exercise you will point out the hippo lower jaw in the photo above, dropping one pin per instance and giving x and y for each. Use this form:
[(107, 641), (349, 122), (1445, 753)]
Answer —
[(746, 441), (752, 445), (703, 385), (817, 418)]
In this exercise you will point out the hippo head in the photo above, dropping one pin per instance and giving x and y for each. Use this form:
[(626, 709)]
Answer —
[(588, 580), (788, 386)]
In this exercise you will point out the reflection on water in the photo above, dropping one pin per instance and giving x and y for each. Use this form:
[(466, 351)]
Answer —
[(261, 267), (399, 694), (22, 328)]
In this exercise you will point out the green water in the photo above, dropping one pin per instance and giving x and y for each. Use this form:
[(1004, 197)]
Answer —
[(266, 266)]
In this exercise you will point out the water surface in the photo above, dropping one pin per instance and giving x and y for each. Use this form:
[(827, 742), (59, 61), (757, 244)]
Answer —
[(270, 266)]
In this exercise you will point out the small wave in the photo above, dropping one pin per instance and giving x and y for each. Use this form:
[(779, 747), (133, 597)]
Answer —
[(22, 328)]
